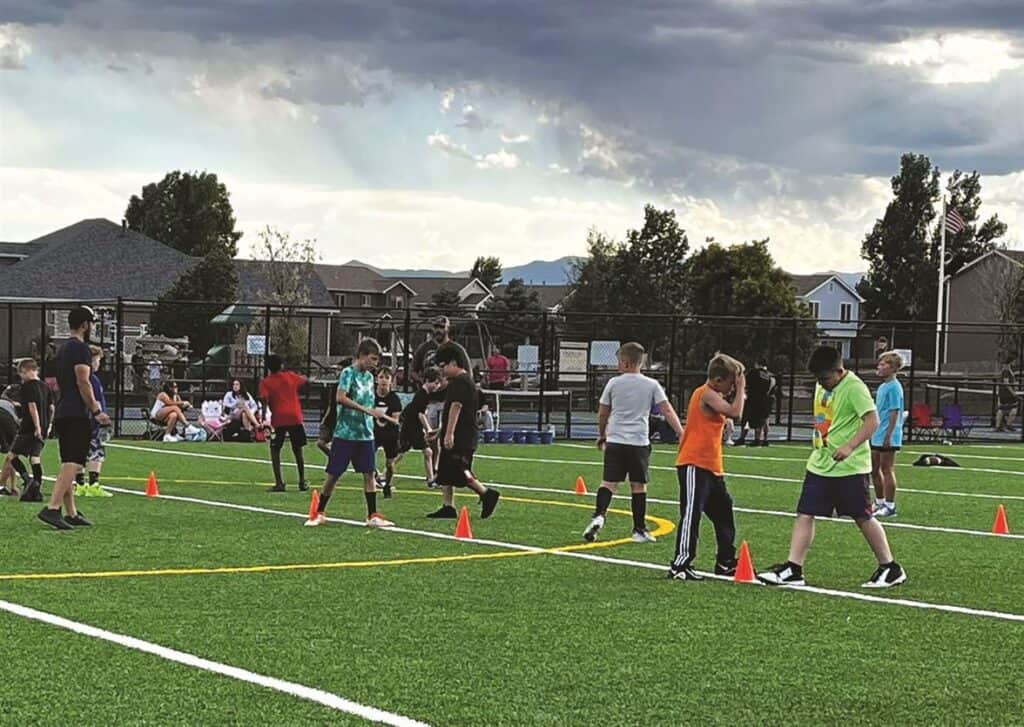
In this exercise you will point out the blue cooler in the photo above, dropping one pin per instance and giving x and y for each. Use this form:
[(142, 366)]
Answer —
[(504, 436), (489, 436), (520, 436), (533, 437), (547, 437)]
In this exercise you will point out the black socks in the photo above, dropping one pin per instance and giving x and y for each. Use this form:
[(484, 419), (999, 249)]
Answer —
[(639, 507), (604, 499)]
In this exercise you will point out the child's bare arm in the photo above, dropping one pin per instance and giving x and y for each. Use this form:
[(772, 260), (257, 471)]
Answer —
[(33, 410), (717, 403), (891, 427), (603, 412), (348, 403), (453, 420), (869, 423), (669, 412)]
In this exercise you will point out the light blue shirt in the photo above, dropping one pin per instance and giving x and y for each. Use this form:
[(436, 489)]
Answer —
[(888, 399)]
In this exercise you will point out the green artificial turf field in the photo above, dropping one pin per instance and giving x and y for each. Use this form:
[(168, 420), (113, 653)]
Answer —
[(530, 627)]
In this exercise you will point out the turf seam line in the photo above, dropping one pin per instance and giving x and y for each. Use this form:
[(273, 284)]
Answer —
[(301, 691)]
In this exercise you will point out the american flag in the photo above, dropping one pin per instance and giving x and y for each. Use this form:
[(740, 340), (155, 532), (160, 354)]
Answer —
[(954, 222)]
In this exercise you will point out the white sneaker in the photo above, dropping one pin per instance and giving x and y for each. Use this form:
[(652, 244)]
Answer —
[(378, 521), (320, 519), (590, 534), (886, 511), (171, 438), (643, 536)]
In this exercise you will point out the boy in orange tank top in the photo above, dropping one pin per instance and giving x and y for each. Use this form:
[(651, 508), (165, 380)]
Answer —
[(701, 474)]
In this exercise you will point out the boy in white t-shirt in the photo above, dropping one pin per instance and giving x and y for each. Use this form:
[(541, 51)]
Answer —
[(623, 435)]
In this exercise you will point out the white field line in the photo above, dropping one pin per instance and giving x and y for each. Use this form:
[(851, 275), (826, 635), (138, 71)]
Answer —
[(744, 476), (766, 458), (660, 501), (333, 701), (963, 610)]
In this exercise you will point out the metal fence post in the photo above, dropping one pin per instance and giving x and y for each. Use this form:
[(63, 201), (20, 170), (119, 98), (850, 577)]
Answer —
[(42, 340), (542, 365), (792, 382), (119, 366), (672, 359), (10, 343), (309, 346), (406, 343), (911, 377)]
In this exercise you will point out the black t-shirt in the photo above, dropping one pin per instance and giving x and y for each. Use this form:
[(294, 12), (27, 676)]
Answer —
[(461, 389), (759, 386), (410, 420), (72, 353), (393, 405), (423, 358), (34, 392)]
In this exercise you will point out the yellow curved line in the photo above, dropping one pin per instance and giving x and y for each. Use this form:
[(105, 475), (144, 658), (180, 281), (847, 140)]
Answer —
[(663, 528)]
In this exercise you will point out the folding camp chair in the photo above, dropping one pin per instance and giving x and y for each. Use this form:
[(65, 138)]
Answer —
[(155, 430), (956, 426), (213, 420), (923, 424)]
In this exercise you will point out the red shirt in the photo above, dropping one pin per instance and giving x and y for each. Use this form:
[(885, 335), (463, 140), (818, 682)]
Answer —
[(497, 367), (281, 392)]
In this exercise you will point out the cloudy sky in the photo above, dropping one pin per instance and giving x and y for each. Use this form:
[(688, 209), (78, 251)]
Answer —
[(425, 132)]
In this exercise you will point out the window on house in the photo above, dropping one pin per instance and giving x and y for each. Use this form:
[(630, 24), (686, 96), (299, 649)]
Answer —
[(399, 301), (339, 299), (846, 312), (815, 308), (831, 287), (367, 302)]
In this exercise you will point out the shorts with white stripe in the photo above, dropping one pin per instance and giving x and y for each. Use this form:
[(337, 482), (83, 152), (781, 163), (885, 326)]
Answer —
[(702, 491)]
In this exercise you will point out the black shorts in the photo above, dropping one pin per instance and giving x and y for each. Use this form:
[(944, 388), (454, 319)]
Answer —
[(626, 461), (388, 441), (755, 416), (74, 435), (880, 448), (412, 440), (295, 432), (26, 445), (8, 431), (823, 496), (454, 468)]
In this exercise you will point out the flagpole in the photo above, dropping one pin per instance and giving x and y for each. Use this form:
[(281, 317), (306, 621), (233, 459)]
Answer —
[(942, 275)]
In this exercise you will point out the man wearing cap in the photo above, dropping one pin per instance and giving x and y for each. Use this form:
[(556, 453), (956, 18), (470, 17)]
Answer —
[(73, 366), (423, 358)]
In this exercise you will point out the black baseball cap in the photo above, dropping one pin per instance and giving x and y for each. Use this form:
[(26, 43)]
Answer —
[(81, 314), (441, 321)]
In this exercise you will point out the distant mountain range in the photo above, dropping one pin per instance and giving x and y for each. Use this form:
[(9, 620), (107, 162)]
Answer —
[(538, 272)]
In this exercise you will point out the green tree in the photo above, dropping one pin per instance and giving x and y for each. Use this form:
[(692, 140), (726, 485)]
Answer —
[(487, 270), (645, 274), (964, 196), (897, 249), (445, 301), (190, 211), (516, 314), (742, 281), (286, 269), (199, 294)]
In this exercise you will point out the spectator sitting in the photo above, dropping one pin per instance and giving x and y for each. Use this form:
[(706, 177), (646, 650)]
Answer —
[(485, 418), (169, 410), (241, 407)]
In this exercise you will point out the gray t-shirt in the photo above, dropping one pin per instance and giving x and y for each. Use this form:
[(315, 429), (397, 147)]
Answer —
[(631, 398)]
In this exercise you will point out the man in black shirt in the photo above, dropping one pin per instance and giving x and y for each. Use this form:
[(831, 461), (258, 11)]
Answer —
[(424, 356), (385, 434), (757, 409), (73, 366), (459, 437), (36, 411)]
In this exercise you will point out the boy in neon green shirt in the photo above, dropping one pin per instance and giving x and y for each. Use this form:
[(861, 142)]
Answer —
[(838, 472)]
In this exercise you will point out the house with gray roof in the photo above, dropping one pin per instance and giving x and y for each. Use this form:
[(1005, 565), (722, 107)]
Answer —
[(835, 304)]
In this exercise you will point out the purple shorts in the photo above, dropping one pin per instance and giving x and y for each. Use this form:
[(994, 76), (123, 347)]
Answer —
[(360, 454), (823, 496)]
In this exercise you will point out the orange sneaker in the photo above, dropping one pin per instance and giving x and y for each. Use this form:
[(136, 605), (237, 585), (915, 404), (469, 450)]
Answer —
[(378, 521)]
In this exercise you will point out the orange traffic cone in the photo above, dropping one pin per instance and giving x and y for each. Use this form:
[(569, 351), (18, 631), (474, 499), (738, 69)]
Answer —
[(314, 504), (462, 529), (745, 567), (151, 489), (999, 527), (581, 486)]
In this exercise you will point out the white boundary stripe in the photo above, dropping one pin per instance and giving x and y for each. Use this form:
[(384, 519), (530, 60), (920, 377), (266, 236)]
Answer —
[(311, 694), (731, 455), (660, 501), (1001, 615)]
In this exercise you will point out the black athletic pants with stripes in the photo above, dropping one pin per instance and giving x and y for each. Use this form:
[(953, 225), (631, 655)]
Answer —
[(702, 491)]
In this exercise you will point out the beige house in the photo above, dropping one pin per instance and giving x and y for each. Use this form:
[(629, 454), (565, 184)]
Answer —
[(978, 302)]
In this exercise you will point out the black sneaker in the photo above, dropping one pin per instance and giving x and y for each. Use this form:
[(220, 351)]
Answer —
[(726, 569), (886, 576), (764, 443), (753, 443), (783, 574), (445, 512), (303, 486), (432, 484), (4, 492), (33, 493), (276, 488), (77, 520), (388, 491), (684, 574), (54, 519), (489, 501)]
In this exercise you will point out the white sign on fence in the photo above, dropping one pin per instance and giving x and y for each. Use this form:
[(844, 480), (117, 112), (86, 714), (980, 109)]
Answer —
[(602, 353), (572, 361), (256, 345)]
